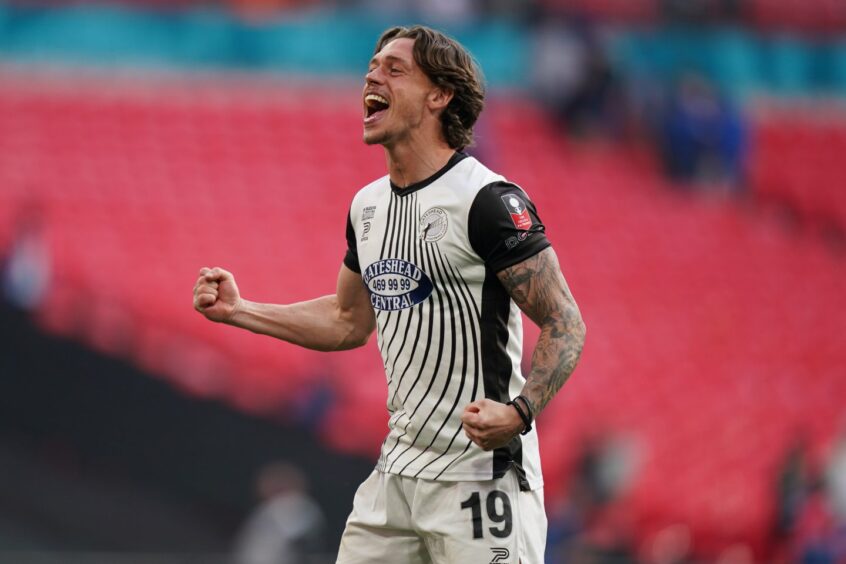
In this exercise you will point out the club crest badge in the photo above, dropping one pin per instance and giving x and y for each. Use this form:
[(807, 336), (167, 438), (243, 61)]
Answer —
[(433, 225)]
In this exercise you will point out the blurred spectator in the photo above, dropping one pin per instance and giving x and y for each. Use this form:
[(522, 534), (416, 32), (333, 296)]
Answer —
[(685, 10), (27, 268), (566, 523), (258, 11), (703, 137), (590, 524), (610, 537), (813, 534), (810, 518), (836, 478), (288, 525), (701, 11), (514, 10), (791, 489), (836, 488), (437, 12), (448, 11), (573, 77), (672, 545)]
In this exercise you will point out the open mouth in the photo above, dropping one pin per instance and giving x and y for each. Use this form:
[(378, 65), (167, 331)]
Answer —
[(374, 106)]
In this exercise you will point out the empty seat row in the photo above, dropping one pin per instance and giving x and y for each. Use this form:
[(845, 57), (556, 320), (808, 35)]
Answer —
[(712, 333)]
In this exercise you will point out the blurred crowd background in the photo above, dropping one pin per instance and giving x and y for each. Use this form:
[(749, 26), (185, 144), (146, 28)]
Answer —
[(687, 156)]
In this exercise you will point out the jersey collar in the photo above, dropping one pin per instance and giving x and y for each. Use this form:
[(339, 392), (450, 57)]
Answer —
[(456, 158)]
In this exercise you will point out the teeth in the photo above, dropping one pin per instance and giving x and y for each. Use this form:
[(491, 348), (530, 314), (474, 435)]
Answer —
[(375, 98)]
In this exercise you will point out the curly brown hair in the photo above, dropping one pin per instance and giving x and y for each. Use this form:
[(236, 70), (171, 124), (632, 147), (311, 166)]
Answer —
[(449, 66)]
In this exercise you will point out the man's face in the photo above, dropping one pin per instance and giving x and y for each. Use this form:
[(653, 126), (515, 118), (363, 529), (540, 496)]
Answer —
[(395, 94)]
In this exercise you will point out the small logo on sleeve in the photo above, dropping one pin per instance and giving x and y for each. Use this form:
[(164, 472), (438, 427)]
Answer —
[(518, 211)]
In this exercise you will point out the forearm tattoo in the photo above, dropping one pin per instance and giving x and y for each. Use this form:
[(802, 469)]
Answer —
[(539, 289)]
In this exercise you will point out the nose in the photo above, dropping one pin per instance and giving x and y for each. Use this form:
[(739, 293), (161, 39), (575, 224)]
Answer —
[(374, 76)]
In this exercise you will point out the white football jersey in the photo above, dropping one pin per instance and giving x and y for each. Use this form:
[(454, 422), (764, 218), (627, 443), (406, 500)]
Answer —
[(448, 331)]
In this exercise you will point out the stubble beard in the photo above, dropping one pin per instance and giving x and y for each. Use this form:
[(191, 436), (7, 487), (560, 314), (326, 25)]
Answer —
[(388, 137), (373, 138)]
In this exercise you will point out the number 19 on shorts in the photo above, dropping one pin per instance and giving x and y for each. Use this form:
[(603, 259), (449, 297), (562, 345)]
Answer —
[(498, 509)]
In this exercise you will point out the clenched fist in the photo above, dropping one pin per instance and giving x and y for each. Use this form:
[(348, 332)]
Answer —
[(216, 294), (491, 424)]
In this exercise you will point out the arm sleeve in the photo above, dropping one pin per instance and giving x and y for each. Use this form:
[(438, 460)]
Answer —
[(504, 227), (351, 258)]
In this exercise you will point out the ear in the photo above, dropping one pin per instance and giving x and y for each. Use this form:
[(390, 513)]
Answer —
[(439, 99)]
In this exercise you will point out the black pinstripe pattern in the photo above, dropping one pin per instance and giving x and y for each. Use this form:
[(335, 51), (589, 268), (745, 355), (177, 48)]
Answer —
[(440, 346), (458, 287), (449, 345)]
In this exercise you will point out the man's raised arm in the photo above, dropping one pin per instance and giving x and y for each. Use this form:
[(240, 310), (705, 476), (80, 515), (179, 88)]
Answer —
[(341, 321), (539, 288)]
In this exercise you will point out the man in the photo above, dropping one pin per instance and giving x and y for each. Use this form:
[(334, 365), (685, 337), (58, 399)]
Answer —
[(442, 255)]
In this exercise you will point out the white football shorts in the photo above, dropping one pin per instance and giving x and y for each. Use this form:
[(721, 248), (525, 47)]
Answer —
[(399, 520)]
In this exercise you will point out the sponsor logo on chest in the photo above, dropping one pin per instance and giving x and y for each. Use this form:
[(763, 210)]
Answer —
[(396, 284)]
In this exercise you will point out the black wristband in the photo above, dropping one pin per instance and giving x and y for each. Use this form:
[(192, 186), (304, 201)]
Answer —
[(528, 406), (527, 422)]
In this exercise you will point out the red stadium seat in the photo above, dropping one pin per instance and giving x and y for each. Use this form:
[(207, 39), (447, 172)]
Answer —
[(705, 324), (796, 162)]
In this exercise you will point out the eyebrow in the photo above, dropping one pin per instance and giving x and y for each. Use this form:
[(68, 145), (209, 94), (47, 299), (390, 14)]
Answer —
[(392, 58)]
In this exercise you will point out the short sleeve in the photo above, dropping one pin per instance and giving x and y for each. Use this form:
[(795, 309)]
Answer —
[(504, 227), (351, 258)]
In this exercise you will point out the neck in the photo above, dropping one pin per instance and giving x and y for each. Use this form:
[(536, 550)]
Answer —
[(411, 163)]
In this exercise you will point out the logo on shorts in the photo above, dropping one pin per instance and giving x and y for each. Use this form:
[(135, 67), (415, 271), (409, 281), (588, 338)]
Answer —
[(433, 225), (395, 284), (519, 214), (499, 555)]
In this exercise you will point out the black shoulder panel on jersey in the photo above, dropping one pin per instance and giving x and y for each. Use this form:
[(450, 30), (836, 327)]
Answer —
[(351, 258), (504, 227)]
